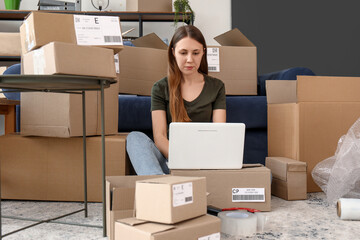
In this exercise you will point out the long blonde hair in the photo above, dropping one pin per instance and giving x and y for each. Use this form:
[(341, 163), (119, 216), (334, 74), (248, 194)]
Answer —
[(176, 102)]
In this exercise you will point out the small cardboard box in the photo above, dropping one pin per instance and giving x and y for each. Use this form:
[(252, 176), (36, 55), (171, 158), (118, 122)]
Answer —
[(237, 66), (10, 44), (60, 114), (41, 28), (120, 199), (149, 6), (248, 187), (289, 178), (143, 65), (200, 228), (307, 117), (72, 59), (51, 169), (170, 199)]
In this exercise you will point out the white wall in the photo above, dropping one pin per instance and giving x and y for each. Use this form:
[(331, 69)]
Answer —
[(212, 19)]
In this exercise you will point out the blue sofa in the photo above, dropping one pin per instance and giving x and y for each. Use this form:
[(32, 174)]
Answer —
[(134, 112)]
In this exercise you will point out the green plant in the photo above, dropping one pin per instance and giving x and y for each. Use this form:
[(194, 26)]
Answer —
[(183, 7)]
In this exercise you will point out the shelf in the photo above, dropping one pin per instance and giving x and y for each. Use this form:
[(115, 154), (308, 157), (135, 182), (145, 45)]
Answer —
[(19, 15)]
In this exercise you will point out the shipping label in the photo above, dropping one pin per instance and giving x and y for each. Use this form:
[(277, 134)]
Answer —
[(248, 195), (213, 58), (97, 30), (214, 236), (182, 194)]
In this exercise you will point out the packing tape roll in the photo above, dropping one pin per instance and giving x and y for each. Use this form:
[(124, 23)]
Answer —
[(348, 208), (237, 223)]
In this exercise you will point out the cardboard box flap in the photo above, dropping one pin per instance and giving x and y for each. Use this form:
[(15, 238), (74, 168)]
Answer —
[(281, 91), (234, 38), (145, 226), (150, 41), (252, 165), (131, 221), (328, 89), (170, 180), (280, 166)]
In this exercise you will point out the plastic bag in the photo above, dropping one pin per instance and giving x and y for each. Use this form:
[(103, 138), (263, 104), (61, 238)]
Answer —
[(339, 175)]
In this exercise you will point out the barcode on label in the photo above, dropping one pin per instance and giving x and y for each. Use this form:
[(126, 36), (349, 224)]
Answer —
[(112, 39), (248, 197), (77, 19), (188, 199), (212, 68)]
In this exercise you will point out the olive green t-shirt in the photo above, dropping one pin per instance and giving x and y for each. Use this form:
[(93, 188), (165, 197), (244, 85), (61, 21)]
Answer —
[(201, 108)]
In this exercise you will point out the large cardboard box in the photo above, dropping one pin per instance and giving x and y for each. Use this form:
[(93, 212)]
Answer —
[(60, 114), (10, 44), (72, 59), (170, 199), (307, 117), (248, 187), (149, 6), (120, 199), (143, 65), (41, 28), (200, 228), (51, 169), (235, 62), (289, 178)]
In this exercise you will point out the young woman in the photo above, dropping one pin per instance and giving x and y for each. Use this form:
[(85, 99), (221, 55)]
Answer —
[(187, 94)]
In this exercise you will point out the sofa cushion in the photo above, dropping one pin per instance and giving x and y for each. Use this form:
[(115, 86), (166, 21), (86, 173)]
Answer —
[(286, 74), (135, 115), (251, 110)]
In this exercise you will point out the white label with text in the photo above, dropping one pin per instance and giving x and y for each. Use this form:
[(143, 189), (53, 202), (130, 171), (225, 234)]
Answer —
[(248, 194), (97, 30), (182, 194), (213, 58)]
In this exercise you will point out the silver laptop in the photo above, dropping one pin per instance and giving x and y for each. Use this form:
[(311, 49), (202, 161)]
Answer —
[(206, 145)]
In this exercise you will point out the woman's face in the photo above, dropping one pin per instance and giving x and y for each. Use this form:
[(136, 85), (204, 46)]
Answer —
[(188, 54)]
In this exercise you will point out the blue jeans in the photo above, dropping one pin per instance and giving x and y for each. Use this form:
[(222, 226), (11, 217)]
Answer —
[(145, 156)]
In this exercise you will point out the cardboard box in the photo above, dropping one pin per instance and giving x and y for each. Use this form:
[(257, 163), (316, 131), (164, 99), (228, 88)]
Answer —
[(237, 64), (307, 117), (60, 114), (72, 59), (10, 44), (120, 199), (41, 28), (143, 65), (204, 227), (170, 199), (289, 178), (51, 169), (248, 187), (149, 6)]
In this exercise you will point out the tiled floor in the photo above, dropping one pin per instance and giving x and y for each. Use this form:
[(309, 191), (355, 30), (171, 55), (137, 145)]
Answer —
[(310, 219)]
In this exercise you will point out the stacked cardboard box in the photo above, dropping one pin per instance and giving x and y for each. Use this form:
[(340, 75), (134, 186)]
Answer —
[(149, 6), (55, 49), (234, 62), (48, 165), (289, 178), (307, 117), (248, 187), (10, 44), (44, 168), (167, 207)]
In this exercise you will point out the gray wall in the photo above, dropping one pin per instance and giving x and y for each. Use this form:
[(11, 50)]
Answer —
[(323, 35)]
